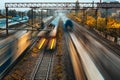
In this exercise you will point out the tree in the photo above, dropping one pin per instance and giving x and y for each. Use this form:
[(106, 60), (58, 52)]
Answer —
[(0, 11), (101, 23), (90, 21), (12, 13), (29, 14)]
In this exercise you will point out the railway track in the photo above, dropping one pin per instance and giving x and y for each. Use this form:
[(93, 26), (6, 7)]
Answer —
[(21, 54), (43, 67), (109, 45), (44, 63), (102, 54)]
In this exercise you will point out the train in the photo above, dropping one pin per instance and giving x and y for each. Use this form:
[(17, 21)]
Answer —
[(68, 25), (52, 35), (11, 49), (48, 38)]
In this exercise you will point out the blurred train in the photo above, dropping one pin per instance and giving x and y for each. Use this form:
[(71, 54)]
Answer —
[(51, 46), (11, 49), (50, 27), (68, 25), (49, 37)]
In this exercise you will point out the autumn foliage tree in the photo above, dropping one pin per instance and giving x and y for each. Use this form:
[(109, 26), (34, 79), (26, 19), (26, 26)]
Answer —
[(101, 24), (112, 26), (90, 21)]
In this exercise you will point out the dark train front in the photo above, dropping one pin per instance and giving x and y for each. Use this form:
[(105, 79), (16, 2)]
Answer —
[(68, 25)]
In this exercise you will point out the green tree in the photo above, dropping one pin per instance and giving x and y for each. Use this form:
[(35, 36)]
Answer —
[(0, 11), (12, 13), (29, 14)]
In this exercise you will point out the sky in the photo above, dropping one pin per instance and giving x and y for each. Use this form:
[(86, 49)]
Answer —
[(2, 2)]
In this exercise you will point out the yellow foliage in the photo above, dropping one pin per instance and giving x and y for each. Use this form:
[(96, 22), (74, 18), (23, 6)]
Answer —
[(90, 21), (112, 23), (115, 25), (77, 19), (101, 22)]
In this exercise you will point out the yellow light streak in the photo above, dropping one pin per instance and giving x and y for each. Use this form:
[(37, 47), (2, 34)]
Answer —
[(53, 40), (43, 41)]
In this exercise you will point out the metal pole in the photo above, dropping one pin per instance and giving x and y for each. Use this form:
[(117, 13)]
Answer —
[(41, 15), (119, 26), (51, 12), (22, 15), (32, 18), (6, 20), (47, 13), (93, 4), (96, 11), (106, 16), (106, 21), (83, 16)]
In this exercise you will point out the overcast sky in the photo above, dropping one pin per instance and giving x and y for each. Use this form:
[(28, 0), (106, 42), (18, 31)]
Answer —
[(2, 2)]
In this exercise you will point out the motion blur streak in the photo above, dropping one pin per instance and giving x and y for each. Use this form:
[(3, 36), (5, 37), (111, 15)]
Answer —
[(23, 43), (52, 44), (91, 70), (41, 44), (79, 74)]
